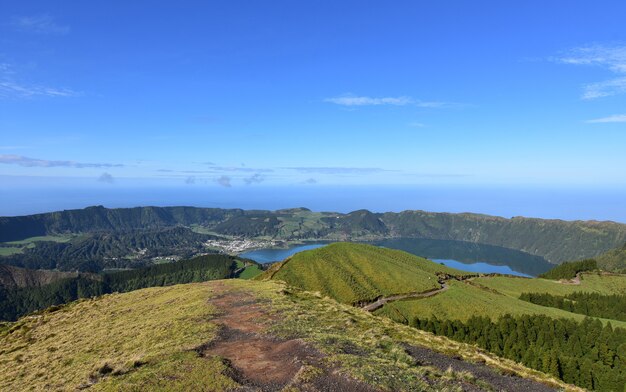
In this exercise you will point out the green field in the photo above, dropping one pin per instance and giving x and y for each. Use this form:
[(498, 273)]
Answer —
[(250, 272), (53, 238), (8, 251), (464, 300), (353, 273), (590, 282)]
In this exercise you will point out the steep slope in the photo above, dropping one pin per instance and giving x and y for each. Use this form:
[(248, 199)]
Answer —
[(240, 335), (357, 273), (14, 277), (554, 240), (613, 260)]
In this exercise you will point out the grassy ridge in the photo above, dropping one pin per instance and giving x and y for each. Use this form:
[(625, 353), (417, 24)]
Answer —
[(143, 340), (17, 302), (353, 273), (146, 334)]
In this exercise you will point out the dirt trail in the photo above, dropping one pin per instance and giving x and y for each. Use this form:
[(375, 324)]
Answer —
[(575, 281), (385, 300), (260, 361), (500, 382)]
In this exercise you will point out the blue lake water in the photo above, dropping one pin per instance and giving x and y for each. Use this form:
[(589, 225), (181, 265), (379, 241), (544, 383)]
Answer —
[(469, 264), (480, 267), (273, 255)]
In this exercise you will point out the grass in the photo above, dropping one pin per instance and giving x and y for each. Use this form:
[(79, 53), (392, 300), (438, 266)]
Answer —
[(54, 238), (250, 272), (367, 347), (590, 282), (142, 337), (464, 300), (144, 340), (8, 251), (353, 273)]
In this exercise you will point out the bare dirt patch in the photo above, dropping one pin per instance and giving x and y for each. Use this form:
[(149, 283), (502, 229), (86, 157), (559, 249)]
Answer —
[(261, 361), (500, 382)]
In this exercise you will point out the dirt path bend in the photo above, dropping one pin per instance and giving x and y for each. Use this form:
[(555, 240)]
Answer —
[(260, 361), (574, 282), (385, 300)]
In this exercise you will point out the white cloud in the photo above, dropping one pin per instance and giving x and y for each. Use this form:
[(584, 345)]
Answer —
[(39, 24), (605, 89), (350, 100), (613, 58), (353, 100), (11, 87), (616, 118)]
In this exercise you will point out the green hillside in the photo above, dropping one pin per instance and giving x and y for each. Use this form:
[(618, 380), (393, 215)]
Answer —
[(223, 335), (18, 301), (357, 273), (613, 260)]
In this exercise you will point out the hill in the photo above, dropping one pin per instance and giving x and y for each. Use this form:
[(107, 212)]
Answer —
[(498, 313), (555, 240), (18, 301), (358, 273), (613, 260), (226, 335), (14, 277)]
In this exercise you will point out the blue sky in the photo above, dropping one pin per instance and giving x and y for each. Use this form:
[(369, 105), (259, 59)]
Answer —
[(244, 94)]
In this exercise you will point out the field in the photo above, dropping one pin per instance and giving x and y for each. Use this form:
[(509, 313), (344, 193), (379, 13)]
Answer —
[(16, 247), (354, 273), (53, 238), (151, 339), (464, 300), (590, 282), (9, 250)]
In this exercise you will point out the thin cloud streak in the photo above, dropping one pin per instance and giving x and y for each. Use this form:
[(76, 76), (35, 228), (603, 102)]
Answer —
[(353, 100), (10, 159), (10, 87), (349, 100), (339, 170), (616, 118), (612, 58), (39, 24)]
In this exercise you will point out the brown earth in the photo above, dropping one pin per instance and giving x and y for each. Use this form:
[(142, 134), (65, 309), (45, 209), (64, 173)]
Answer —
[(261, 361)]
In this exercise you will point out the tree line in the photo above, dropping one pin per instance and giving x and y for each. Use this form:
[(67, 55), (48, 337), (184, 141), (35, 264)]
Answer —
[(15, 303), (589, 304), (588, 353), (570, 269)]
